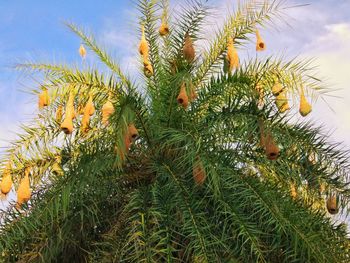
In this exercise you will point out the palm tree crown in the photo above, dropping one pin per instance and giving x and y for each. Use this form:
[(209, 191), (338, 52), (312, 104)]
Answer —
[(200, 162)]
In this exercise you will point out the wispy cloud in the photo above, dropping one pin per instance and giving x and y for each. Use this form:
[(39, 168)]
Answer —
[(331, 51)]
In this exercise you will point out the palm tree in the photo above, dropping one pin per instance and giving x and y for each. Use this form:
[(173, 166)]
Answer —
[(201, 161)]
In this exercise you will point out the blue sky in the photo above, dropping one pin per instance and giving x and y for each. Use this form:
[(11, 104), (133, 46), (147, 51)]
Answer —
[(35, 29)]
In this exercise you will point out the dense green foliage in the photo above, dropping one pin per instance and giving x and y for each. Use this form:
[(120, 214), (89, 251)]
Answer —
[(146, 206)]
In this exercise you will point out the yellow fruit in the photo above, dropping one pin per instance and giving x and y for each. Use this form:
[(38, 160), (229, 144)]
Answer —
[(277, 89)]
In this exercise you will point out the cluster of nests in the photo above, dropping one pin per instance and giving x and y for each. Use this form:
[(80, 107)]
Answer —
[(231, 62), (185, 96), (188, 93), (66, 125)]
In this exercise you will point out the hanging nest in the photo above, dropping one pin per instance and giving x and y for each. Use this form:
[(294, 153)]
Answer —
[(132, 132), (6, 182), (89, 107), (23, 192), (89, 110), (59, 114), (164, 28), (67, 124), (293, 191), (82, 51), (232, 56), (305, 107), (282, 102), (44, 99), (260, 44), (199, 174), (188, 49), (143, 47), (107, 111), (332, 205), (148, 69), (182, 98), (271, 149), (277, 89)]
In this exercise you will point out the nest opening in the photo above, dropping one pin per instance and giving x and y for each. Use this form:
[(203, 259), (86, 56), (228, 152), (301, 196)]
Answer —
[(65, 130), (333, 210), (332, 205), (273, 155)]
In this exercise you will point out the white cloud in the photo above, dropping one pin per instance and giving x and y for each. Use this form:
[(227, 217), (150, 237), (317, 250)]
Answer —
[(336, 36), (118, 38), (331, 51)]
